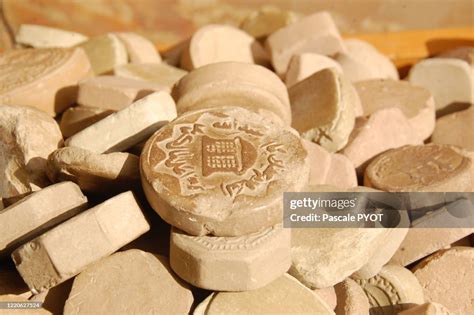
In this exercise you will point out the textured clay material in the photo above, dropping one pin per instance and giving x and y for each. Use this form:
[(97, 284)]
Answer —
[(139, 49), (222, 171), (105, 52), (304, 65), (351, 298), (455, 129), (39, 36), (238, 263), (129, 282), (77, 118)]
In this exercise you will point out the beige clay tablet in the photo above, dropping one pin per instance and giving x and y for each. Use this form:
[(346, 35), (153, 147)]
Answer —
[(304, 65), (139, 49), (351, 299), (77, 118), (267, 20), (40, 36), (105, 52), (456, 129)]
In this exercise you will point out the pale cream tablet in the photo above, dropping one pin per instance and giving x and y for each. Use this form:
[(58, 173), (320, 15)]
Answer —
[(341, 172), (72, 246), (427, 309), (267, 20), (283, 296), (114, 92), (233, 84), (239, 263), (127, 127), (40, 36), (222, 171), (447, 277), (28, 136), (13, 299), (304, 65), (351, 298), (105, 52), (431, 167), (322, 108), (319, 162), (129, 282), (99, 173), (139, 49), (383, 130), (219, 43), (42, 78), (449, 80), (456, 129), (77, 118), (415, 102), (316, 33), (392, 290), (37, 213), (159, 73)]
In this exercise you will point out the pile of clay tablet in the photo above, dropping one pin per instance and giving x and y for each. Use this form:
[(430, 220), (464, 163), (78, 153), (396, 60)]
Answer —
[(134, 183)]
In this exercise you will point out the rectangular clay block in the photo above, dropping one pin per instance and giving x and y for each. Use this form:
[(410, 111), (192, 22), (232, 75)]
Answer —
[(41, 210), (69, 248)]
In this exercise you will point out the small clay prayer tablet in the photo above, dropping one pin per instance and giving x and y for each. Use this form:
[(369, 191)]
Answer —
[(304, 65), (392, 290), (351, 299), (101, 173), (427, 309), (72, 246), (139, 49), (219, 43), (239, 263), (37, 213), (27, 138), (415, 102), (77, 118), (283, 296), (431, 167), (447, 277), (222, 171), (39, 36), (113, 92), (315, 33), (159, 73), (267, 20), (323, 109), (245, 85), (105, 52), (129, 282), (456, 129), (127, 127), (328, 295), (42, 78), (450, 80)]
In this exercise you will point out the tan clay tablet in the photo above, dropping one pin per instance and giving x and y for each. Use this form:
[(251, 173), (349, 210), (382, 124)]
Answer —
[(283, 296), (351, 299), (267, 20), (238, 263), (415, 102), (431, 167), (316, 33), (127, 127), (77, 118), (42, 78), (19, 299), (304, 65), (28, 136), (322, 108), (219, 43), (449, 80), (38, 212), (139, 49), (105, 52), (392, 290), (130, 282), (249, 86), (159, 73), (456, 129), (447, 277), (101, 173), (427, 309), (72, 246), (222, 171), (39, 36), (328, 295)]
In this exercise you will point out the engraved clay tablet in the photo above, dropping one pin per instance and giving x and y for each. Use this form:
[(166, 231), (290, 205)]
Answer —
[(323, 109), (285, 295), (129, 282), (222, 171), (238, 263), (42, 78), (40, 36), (431, 167)]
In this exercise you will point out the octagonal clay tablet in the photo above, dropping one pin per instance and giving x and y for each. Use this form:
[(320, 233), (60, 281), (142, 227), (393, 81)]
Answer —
[(222, 171), (431, 167)]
